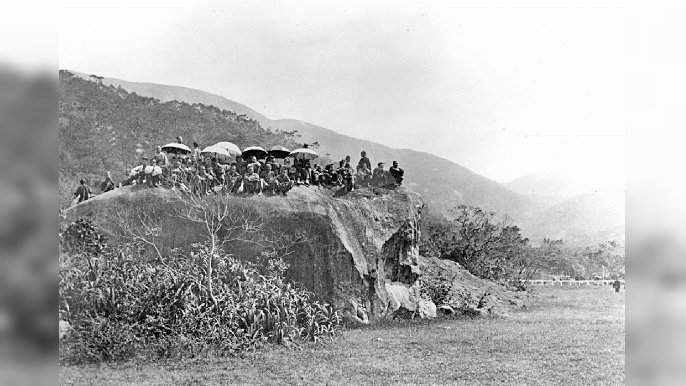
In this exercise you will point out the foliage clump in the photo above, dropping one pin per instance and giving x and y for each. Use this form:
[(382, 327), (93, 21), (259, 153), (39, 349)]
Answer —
[(120, 306), (494, 249)]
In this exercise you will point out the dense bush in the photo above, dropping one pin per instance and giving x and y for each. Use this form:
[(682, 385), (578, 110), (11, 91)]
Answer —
[(120, 306), (494, 249)]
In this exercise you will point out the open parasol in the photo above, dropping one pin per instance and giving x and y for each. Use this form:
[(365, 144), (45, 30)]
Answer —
[(304, 153), (279, 152), (254, 151), (215, 151), (176, 148), (230, 147)]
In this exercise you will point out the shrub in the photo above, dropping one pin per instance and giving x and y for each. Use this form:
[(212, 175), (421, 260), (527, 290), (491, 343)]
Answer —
[(83, 237), (124, 306), (436, 290)]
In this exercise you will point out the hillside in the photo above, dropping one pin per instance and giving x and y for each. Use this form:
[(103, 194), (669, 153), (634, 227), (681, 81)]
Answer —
[(582, 208), (103, 127), (543, 204), (441, 183), (585, 219)]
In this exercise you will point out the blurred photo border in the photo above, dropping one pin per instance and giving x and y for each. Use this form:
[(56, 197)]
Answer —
[(655, 196)]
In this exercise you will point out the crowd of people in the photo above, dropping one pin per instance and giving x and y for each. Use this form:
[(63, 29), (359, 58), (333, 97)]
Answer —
[(198, 174)]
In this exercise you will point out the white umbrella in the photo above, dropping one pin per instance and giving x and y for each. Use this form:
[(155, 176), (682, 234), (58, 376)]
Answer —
[(215, 151), (230, 147), (176, 148), (304, 153)]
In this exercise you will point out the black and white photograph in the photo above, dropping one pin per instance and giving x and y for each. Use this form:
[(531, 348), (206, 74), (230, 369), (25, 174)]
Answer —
[(342, 193)]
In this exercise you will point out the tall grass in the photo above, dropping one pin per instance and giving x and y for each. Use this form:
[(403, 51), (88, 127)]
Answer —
[(120, 306)]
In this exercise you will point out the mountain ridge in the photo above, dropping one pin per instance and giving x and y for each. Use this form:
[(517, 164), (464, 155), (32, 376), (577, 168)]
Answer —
[(442, 183)]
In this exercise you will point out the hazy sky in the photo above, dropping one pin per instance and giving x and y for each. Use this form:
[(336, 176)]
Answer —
[(504, 89)]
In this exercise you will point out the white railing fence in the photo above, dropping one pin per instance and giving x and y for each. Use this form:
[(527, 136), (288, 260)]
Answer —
[(542, 282)]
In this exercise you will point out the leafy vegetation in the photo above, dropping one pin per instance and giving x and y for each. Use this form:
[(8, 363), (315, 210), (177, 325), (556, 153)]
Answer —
[(564, 336), (495, 250), (122, 306)]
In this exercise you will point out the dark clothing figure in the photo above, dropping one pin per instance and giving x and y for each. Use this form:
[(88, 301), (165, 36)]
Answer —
[(397, 173), (617, 285), (364, 161), (83, 193), (107, 185), (379, 176), (233, 181)]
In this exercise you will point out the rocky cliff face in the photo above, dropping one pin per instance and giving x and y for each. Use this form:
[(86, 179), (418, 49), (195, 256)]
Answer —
[(357, 248)]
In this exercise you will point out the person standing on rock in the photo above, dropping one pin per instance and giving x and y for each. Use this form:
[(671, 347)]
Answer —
[(82, 193), (364, 161), (195, 153), (161, 157)]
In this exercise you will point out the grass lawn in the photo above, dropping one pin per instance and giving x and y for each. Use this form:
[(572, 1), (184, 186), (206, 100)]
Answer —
[(570, 336)]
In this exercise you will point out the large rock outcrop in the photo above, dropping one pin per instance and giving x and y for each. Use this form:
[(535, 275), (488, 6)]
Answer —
[(358, 248)]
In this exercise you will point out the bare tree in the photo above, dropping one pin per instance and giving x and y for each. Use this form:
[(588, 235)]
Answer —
[(222, 221)]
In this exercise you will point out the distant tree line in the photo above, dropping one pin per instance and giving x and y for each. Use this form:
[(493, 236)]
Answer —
[(494, 249)]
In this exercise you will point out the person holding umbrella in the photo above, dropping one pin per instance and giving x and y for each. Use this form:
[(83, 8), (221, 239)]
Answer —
[(300, 156)]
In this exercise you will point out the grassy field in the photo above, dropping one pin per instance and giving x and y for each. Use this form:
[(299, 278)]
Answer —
[(570, 336)]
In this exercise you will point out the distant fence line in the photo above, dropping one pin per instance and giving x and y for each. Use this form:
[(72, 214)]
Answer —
[(571, 282)]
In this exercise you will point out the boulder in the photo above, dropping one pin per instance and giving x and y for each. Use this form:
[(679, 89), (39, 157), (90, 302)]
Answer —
[(361, 246), (427, 309)]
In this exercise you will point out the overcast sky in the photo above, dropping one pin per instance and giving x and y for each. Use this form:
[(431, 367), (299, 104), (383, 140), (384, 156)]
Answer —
[(504, 89)]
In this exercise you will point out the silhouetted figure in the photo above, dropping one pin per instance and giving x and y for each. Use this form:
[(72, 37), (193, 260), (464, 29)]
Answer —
[(397, 173), (83, 192)]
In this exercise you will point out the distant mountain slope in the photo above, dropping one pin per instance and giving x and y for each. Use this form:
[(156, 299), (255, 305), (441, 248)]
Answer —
[(547, 187), (581, 220), (542, 208), (442, 184)]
